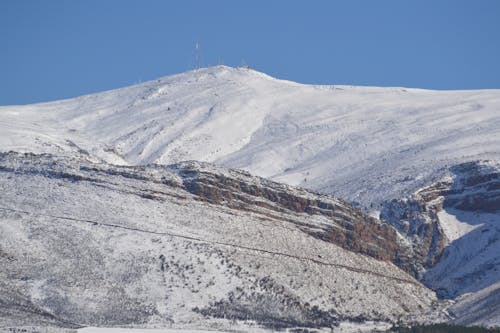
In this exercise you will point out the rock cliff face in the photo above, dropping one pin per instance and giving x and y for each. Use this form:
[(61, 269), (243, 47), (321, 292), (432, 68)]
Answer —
[(472, 187), (454, 228), (476, 189), (348, 227), (191, 243), (416, 217)]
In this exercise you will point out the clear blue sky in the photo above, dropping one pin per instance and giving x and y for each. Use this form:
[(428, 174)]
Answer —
[(59, 48)]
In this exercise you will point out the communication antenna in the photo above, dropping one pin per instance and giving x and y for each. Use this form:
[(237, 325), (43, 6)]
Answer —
[(196, 54), (244, 64)]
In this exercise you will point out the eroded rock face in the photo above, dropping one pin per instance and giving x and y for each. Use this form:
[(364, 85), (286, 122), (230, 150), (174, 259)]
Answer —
[(348, 227), (476, 189), (454, 229), (417, 218), (471, 187)]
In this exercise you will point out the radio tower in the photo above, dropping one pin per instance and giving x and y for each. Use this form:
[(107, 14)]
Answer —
[(196, 54)]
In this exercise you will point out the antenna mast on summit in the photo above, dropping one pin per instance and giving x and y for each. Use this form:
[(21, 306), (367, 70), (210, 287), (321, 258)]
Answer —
[(196, 54)]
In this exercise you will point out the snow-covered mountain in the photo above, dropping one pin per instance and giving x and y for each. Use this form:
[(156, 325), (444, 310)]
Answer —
[(389, 140), (428, 160)]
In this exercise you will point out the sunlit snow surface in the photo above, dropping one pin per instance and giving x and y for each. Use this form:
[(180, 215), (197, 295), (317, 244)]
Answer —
[(454, 228), (365, 144)]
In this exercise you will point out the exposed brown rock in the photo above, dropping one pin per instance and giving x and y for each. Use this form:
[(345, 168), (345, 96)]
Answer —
[(473, 187), (349, 228)]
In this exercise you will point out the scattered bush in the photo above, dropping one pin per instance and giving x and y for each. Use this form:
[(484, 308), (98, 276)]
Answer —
[(443, 328)]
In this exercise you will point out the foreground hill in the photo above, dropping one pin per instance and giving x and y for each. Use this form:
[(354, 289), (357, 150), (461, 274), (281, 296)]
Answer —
[(95, 244)]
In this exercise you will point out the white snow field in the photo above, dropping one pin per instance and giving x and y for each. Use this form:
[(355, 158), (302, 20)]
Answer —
[(364, 144)]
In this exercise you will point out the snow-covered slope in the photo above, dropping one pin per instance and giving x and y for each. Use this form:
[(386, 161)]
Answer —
[(390, 140), (364, 144), (95, 244)]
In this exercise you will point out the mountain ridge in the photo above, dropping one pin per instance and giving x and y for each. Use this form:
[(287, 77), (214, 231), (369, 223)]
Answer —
[(318, 137)]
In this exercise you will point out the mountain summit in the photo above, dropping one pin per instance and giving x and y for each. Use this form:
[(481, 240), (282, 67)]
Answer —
[(390, 140)]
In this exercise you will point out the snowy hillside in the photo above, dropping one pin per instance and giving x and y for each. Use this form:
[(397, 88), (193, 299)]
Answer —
[(392, 141), (154, 235), (95, 244)]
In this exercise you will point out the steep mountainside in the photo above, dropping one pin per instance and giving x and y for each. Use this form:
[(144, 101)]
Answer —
[(454, 226), (96, 244), (391, 141)]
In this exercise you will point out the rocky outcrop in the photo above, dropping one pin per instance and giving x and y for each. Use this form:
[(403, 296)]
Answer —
[(454, 229), (470, 187), (416, 218), (476, 189), (349, 227)]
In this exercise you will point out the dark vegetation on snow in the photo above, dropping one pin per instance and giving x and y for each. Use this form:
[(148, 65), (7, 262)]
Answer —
[(270, 306), (444, 328)]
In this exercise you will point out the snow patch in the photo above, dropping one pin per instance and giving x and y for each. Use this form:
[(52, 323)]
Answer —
[(453, 228)]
